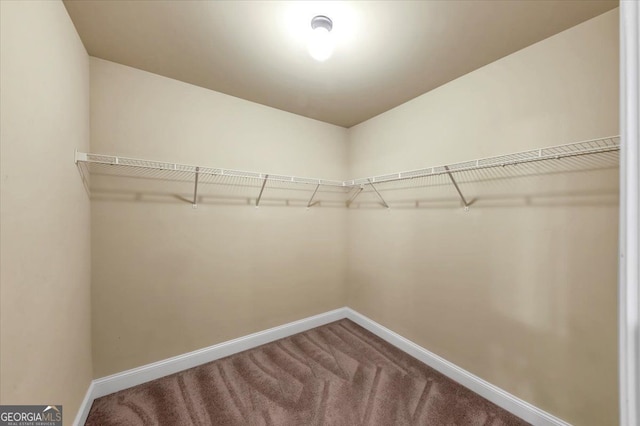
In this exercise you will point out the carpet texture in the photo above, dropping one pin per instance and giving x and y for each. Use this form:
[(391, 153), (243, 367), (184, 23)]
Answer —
[(337, 374)]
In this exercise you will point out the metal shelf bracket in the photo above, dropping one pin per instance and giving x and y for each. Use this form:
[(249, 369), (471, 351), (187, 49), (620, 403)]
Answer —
[(195, 189), (264, 182), (353, 197), (455, 184), (384, 203), (311, 203)]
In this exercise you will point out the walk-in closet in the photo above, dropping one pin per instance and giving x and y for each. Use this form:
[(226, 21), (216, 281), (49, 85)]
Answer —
[(319, 213)]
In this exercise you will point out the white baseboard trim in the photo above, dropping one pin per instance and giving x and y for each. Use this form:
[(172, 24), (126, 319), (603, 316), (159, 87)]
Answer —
[(83, 411), (501, 398), (136, 376)]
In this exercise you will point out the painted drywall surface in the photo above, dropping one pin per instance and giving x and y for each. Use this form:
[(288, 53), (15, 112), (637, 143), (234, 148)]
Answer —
[(520, 290), (167, 278), (45, 338)]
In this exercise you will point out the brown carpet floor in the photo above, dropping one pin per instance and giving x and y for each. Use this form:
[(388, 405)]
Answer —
[(337, 374)]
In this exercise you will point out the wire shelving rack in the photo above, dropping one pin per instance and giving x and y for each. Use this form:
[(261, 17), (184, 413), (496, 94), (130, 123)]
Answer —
[(572, 156)]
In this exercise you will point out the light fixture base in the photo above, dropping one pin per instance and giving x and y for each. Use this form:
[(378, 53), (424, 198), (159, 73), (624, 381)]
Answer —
[(321, 21)]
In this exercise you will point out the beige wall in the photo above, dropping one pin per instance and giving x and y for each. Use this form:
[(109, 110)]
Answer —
[(520, 290), (45, 343), (167, 278)]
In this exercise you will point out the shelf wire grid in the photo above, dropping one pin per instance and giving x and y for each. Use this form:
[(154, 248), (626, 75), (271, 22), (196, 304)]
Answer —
[(137, 176), (578, 149), (133, 167), (497, 174), (593, 154)]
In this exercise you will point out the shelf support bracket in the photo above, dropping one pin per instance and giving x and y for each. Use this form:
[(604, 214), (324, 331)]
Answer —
[(264, 182), (195, 189), (455, 184), (310, 203), (353, 197), (384, 203)]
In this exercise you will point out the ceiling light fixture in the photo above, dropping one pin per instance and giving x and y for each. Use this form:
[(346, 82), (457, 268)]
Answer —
[(321, 44)]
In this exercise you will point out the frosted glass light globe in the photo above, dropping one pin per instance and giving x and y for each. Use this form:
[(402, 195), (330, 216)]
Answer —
[(320, 44)]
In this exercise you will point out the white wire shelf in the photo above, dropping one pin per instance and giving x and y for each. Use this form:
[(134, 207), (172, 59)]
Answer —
[(159, 169), (231, 183), (592, 146), (591, 154)]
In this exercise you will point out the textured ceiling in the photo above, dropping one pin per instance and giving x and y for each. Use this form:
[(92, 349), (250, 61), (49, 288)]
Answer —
[(386, 52)]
